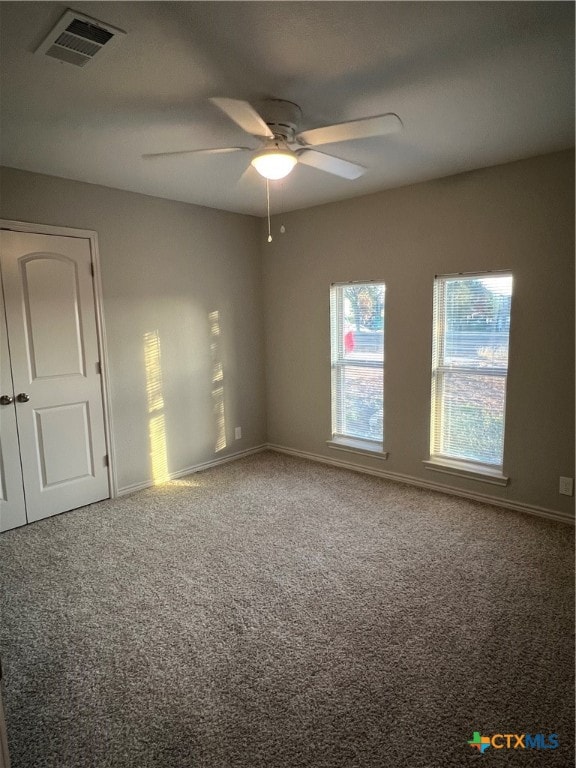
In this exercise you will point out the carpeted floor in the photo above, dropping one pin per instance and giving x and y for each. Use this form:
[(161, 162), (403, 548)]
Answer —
[(276, 613)]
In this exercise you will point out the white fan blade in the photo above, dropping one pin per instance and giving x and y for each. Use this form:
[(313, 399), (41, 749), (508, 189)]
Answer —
[(217, 151), (380, 125), (331, 164), (249, 175), (245, 116)]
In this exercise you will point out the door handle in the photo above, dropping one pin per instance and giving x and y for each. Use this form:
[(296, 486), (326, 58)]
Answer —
[(6, 399), (22, 397)]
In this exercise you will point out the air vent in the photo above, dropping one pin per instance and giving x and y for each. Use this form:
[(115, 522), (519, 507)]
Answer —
[(78, 39)]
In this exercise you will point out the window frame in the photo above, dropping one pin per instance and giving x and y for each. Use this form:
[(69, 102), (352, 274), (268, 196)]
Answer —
[(339, 363), (442, 462)]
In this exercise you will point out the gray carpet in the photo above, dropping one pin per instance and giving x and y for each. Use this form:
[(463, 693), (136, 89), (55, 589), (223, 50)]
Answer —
[(276, 613)]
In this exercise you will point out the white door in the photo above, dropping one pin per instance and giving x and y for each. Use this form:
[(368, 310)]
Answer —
[(52, 337), (12, 508)]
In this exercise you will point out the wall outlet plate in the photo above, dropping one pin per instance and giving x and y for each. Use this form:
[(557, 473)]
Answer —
[(238, 433), (566, 486)]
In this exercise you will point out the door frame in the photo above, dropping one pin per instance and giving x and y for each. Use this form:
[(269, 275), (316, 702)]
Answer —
[(92, 237)]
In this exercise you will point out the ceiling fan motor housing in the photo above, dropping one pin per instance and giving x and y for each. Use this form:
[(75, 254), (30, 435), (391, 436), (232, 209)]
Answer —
[(282, 117)]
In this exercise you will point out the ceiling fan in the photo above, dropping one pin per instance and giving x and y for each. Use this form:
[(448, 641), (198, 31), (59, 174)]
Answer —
[(283, 145)]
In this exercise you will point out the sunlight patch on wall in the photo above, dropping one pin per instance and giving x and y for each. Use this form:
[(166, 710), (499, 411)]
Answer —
[(157, 421), (217, 381)]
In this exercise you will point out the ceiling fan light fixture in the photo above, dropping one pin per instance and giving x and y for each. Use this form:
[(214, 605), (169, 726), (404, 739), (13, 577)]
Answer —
[(274, 162)]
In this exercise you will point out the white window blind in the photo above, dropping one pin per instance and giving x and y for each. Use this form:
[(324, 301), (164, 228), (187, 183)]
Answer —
[(469, 367), (357, 346)]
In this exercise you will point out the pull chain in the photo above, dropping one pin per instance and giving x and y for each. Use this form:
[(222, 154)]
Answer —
[(282, 227), (268, 209)]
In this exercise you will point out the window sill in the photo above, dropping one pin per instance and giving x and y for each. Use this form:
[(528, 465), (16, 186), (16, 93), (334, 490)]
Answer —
[(363, 447), (468, 470)]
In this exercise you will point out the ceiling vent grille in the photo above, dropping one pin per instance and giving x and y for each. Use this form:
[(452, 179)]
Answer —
[(78, 39)]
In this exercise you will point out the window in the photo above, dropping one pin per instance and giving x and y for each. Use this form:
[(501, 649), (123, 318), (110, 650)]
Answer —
[(469, 370), (357, 344)]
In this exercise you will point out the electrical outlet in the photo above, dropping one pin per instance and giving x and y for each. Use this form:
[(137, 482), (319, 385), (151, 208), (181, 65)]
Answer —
[(567, 486), (238, 433)]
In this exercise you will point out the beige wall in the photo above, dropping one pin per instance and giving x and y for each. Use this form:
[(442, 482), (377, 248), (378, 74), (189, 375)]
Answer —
[(518, 216), (165, 267)]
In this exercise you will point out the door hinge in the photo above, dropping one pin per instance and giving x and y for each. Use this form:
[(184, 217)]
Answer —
[(92, 269), (98, 367), (106, 462)]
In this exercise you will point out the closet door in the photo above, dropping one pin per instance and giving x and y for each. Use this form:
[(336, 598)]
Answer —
[(12, 508), (52, 336)]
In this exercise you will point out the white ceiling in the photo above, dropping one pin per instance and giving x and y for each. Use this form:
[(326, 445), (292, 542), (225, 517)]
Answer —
[(475, 84)]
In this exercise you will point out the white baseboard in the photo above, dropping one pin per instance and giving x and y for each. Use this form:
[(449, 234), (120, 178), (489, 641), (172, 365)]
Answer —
[(126, 489), (549, 514)]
